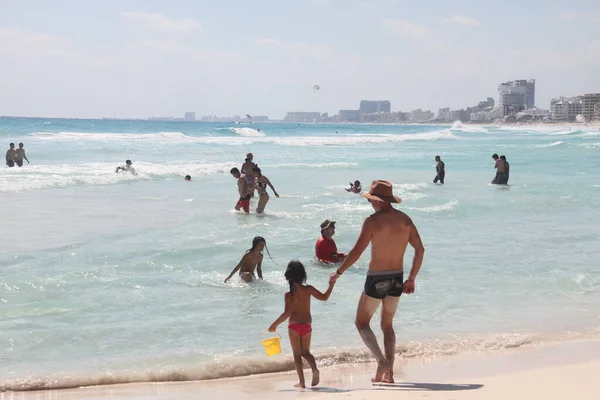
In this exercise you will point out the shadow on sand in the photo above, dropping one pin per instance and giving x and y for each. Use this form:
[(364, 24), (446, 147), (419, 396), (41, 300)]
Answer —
[(404, 386), (443, 387)]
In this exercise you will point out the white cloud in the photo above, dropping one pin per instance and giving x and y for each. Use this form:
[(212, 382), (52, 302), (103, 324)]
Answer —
[(461, 20), (161, 23), (405, 28)]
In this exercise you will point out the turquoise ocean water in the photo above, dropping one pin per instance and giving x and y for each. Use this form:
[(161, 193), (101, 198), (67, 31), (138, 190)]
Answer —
[(108, 278)]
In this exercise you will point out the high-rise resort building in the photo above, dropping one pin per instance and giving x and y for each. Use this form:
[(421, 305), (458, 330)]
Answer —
[(590, 105), (516, 95), (375, 106), (190, 116)]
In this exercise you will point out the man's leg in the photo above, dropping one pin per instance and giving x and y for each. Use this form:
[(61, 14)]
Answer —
[(388, 311), (366, 308)]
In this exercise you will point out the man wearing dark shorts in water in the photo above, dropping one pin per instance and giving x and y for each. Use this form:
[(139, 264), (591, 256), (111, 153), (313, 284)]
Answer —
[(244, 189), (440, 169), (500, 170), (389, 232), (506, 169), (11, 155)]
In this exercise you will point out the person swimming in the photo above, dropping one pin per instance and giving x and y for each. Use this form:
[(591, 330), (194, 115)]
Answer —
[(188, 178), (251, 261), (127, 167), (354, 187)]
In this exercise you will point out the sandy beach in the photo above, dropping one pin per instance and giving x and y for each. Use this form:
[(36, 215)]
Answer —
[(551, 371)]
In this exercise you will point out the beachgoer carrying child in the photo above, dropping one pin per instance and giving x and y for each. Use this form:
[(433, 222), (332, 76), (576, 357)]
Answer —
[(297, 309), (248, 172), (251, 260)]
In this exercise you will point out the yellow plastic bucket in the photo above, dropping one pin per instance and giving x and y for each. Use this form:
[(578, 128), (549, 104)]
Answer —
[(272, 345)]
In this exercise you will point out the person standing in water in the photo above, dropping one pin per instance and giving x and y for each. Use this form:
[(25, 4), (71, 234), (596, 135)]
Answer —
[(248, 171), (11, 155), (244, 191), (389, 232), (506, 169), (500, 170), (251, 261), (261, 188), (20, 155), (440, 169), (297, 309)]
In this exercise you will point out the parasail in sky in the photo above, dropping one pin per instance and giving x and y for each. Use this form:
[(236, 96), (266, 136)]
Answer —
[(316, 87)]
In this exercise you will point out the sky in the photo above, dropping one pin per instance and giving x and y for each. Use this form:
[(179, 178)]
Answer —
[(142, 58)]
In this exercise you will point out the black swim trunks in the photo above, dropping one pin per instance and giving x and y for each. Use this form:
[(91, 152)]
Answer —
[(380, 284), (10, 163), (19, 162)]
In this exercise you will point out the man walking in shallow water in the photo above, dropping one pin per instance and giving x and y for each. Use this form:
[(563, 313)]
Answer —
[(390, 232)]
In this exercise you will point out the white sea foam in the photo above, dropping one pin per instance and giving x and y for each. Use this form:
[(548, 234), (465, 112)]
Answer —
[(55, 176), (558, 143), (308, 165), (459, 126), (432, 209), (178, 137), (246, 132)]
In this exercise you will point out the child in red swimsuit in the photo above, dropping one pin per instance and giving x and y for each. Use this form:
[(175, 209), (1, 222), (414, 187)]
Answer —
[(297, 309)]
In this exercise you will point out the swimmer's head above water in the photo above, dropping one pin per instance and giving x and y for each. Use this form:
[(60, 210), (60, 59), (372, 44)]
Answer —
[(188, 178)]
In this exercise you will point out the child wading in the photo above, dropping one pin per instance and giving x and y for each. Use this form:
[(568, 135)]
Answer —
[(297, 309)]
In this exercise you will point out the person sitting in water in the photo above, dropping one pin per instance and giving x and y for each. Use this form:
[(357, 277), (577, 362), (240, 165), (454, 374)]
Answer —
[(247, 170), (354, 187), (506, 170), (325, 248), (261, 187), (188, 178), (440, 169), (127, 167), (251, 261)]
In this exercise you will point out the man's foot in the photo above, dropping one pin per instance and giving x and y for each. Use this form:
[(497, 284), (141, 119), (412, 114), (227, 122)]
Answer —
[(316, 378), (388, 377), (300, 385), (382, 369)]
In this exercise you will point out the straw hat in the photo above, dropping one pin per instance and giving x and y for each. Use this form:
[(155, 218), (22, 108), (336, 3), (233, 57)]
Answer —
[(381, 191)]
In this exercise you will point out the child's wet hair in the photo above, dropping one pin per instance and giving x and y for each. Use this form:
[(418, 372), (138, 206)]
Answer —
[(295, 273), (256, 241)]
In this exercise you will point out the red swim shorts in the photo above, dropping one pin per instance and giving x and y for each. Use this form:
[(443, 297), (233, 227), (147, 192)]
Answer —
[(245, 204)]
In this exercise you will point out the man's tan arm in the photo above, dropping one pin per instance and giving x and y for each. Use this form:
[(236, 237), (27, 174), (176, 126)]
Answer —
[(361, 244), (415, 241)]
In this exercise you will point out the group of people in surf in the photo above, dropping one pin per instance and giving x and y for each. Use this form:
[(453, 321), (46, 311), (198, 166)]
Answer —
[(249, 179), (15, 156), (389, 232), (501, 165)]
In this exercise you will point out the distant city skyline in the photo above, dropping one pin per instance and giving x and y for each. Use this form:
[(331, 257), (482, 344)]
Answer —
[(135, 59)]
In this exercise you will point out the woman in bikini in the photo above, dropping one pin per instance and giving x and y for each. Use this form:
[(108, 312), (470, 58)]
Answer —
[(297, 309), (261, 188), (251, 260)]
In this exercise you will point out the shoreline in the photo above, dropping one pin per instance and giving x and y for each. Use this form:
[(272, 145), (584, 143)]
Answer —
[(552, 369)]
